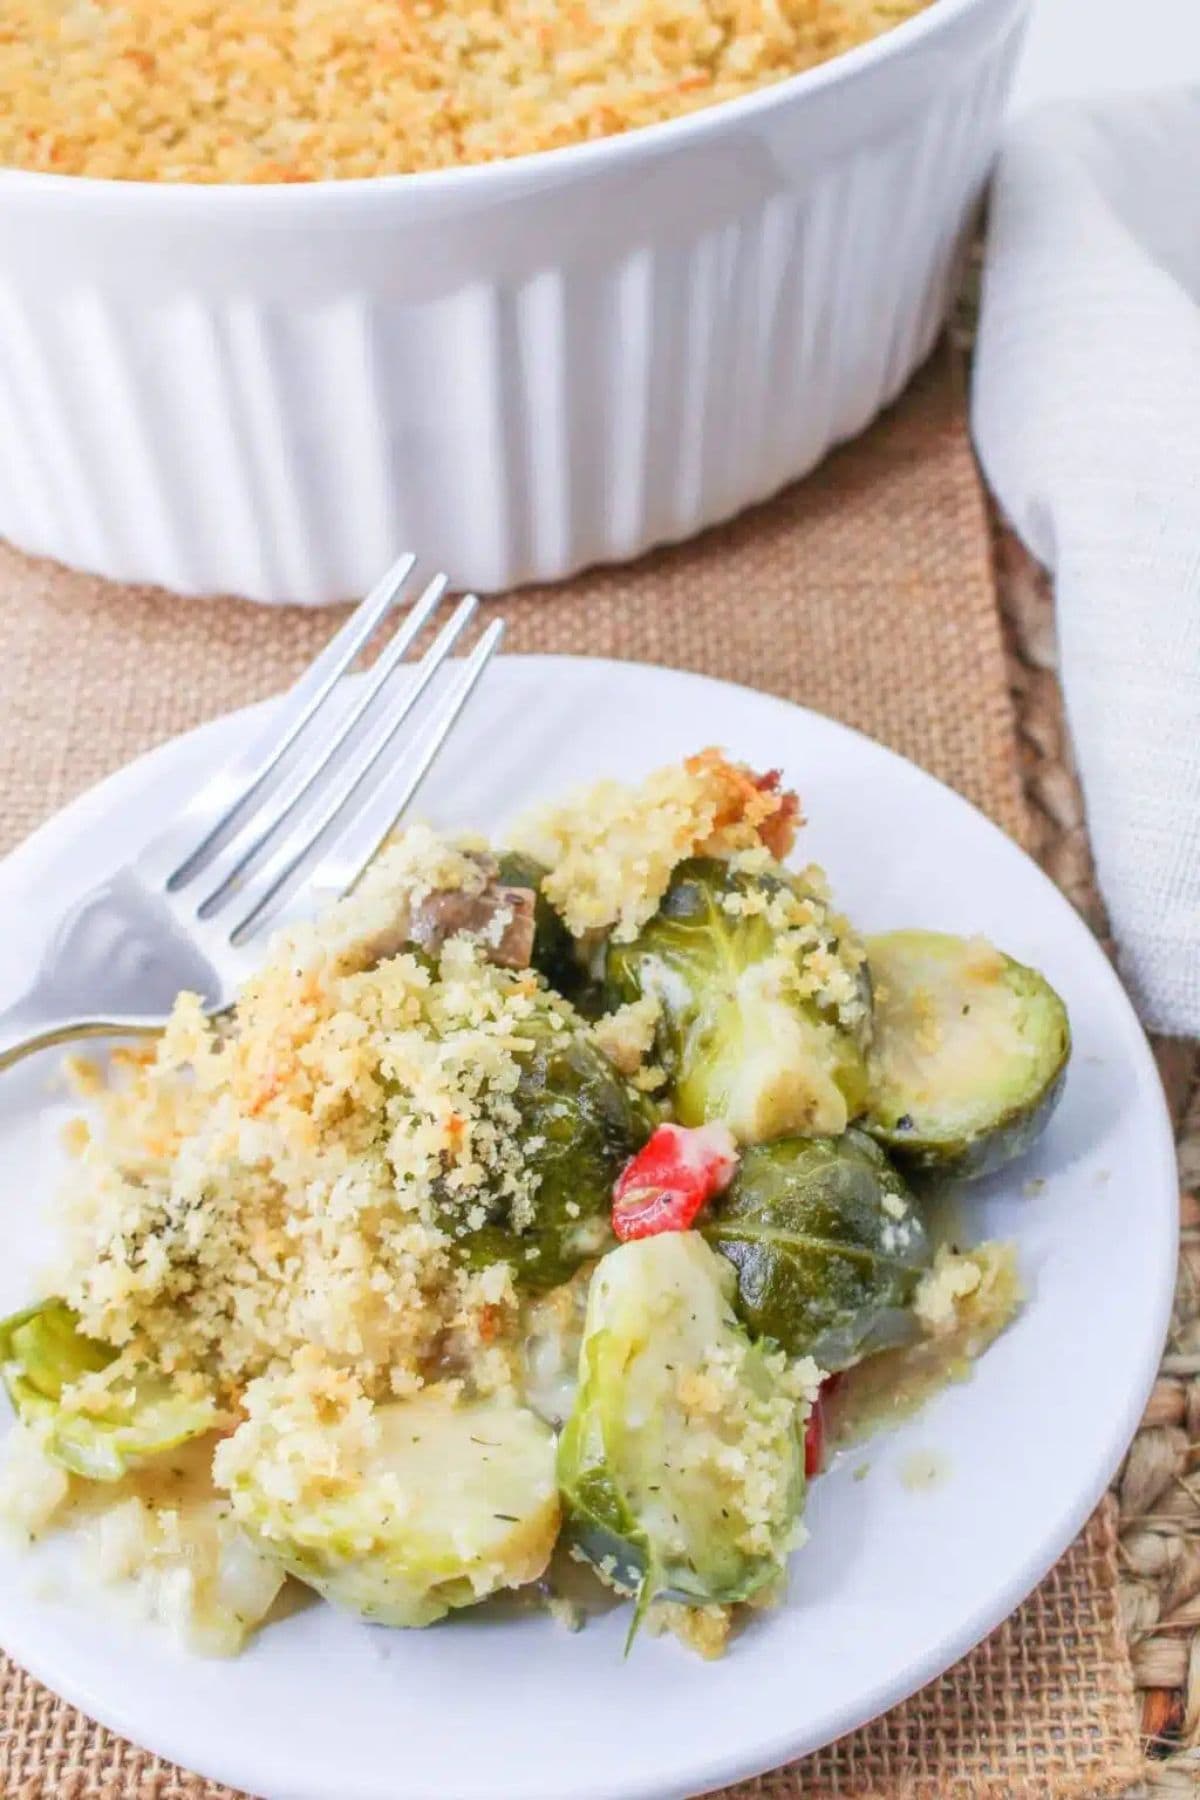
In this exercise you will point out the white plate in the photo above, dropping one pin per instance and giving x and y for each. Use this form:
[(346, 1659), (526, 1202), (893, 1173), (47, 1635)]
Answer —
[(893, 1585)]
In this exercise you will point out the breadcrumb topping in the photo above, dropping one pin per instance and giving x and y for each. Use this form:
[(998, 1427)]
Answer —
[(314, 90), (298, 1177), (741, 1430), (626, 1036), (306, 1433), (818, 955), (611, 849), (942, 1287), (704, 1629)]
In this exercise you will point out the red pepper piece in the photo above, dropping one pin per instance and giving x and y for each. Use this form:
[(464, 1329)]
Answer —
[(816, 1430), (814, 1440), (671, 1178)]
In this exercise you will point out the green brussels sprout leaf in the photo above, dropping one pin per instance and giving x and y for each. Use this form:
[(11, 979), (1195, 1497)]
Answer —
[(44, 1353), (741, 1039), (828, 1245), (579, 1124), (970, 1053), (669, 1385)]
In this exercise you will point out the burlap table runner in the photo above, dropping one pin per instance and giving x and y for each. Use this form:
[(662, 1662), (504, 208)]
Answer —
[(865, 592)]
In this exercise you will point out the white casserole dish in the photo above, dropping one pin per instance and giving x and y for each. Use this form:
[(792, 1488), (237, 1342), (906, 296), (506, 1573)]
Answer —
[(517, 369)]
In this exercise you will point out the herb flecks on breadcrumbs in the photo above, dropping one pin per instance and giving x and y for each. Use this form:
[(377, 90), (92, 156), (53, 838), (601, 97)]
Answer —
[(250, 1191)]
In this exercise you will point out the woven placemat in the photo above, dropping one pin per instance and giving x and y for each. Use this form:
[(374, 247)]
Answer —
[(867, 593), (1158, 1546)]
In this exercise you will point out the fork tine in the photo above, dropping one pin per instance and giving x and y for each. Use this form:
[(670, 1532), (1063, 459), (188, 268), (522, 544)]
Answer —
[(357, 844), (239, 854), (233, 786), (267, 884)]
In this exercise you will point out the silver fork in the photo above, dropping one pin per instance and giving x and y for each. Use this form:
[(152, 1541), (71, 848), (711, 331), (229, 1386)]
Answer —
[(309, 802)]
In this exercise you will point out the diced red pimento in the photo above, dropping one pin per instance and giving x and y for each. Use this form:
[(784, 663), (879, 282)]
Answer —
[(814, 1440), (672, 1177), (778, 830), (816, 1430)]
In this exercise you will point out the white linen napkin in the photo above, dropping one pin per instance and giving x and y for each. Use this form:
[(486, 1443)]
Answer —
[(1086, 414)]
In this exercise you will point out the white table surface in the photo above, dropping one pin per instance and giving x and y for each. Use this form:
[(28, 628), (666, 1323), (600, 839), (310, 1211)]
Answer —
[(1108, 46)]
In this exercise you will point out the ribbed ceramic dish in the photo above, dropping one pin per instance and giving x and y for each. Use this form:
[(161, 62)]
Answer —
[(519, 368)]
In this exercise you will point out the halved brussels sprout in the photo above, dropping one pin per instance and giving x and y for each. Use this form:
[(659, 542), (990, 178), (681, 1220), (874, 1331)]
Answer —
[(828, 1245), (681, 1464), (44, 1353), (970, 1052), (453, 1501), (580, 1123), (738, 1039)]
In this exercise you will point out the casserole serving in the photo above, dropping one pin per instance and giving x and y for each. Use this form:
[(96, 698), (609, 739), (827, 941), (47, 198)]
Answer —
[(528, 1198), (897, 1580), (523, 366)]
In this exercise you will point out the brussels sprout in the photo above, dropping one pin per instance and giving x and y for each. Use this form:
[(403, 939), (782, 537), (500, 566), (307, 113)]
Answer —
[(580, 1123), (681, 1465), (970, 1052), (738, 1038), (828, 1245), (555, 954), (43, 1353), (455, 1500)]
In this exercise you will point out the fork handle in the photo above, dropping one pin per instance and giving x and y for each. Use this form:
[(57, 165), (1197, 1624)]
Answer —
[(24, 1030)]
